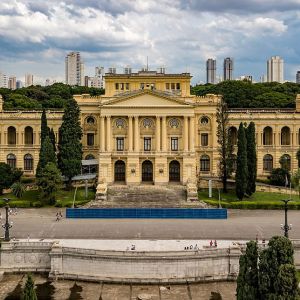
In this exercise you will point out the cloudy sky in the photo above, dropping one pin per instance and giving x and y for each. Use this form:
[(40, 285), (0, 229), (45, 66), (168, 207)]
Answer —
[(35, 35)]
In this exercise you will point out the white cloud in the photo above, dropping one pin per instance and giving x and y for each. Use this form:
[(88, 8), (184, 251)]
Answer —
[(125, 32)]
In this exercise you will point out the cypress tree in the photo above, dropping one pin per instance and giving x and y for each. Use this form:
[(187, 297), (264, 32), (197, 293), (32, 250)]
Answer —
[(47, 155), (251, 159), (52, 138), (44, 127), (277, 276), (28, 291), (225, 147), (247, 281), (241, 164), (69, 144)]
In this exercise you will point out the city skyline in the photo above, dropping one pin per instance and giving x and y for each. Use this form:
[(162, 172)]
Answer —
[(177, 35)]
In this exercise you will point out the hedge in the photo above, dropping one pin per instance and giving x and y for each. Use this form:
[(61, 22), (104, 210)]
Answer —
[(253, 205)]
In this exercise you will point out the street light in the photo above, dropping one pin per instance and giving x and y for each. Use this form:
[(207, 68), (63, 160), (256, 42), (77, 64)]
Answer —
[(7, 225), (286, 227)]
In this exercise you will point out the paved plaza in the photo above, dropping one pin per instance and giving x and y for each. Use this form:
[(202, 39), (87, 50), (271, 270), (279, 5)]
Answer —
[(10, 287), (240, 225)]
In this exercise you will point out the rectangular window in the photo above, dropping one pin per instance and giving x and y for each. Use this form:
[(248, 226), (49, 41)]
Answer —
[(174, 144), (142, 86), (90, 139), (122, 86), (120, 144), (167, 86), (172, 86), (127, 86), (147, 144), (204, 139), (117, 86), (177, 86)]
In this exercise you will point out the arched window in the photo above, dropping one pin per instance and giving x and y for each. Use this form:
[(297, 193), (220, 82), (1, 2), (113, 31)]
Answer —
[(268, 136), (11, 160), (204, 163), (285, 136), (285, 162), (28, 162), (28, 135), (204, 121), (233, 135), (268, 163), (90, 120), (90, 156), (11, 135)]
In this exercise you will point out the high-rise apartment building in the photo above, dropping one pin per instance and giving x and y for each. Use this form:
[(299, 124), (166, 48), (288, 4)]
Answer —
[(127, 70), (19, 84), (12, 83), (298, 77), (211, 69), (97, 81), (275, 69), (112, 70), (28, 80), (3, 80), (228, 69), (74, 69)]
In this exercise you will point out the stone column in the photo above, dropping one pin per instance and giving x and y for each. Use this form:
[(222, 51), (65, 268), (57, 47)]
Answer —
[(108, 133), (102, 134), (136, 134), (157, 133), (164, 133), (130, 135), (185, 135), (192, 134)]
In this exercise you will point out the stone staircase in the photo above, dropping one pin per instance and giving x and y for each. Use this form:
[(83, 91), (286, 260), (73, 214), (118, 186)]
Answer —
[(146, 196)]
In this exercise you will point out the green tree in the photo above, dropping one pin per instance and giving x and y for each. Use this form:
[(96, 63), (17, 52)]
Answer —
[(296, 181), (69, 144), (286, 284), (47, 155), (44, 127), (247, 281), (49, 182), (251, 159), (279, 177), (225, 147), (6, 177), (29, 290), (52, 138), (298, 157), (18, 189), (278, 254), (241, 176)]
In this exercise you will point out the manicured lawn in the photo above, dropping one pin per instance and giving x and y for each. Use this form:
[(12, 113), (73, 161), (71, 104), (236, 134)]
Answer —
[(63, 198), (259, 200)]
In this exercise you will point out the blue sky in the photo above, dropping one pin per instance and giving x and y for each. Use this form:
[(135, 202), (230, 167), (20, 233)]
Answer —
[(35, 35)]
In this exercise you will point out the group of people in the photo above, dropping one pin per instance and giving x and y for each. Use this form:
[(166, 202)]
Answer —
[(213, 244), (59, 216)]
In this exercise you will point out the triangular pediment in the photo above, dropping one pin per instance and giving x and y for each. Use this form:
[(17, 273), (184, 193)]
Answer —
[(146, 99)]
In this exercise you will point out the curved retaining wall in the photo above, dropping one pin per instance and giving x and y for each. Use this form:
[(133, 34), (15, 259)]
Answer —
[(123, 266)]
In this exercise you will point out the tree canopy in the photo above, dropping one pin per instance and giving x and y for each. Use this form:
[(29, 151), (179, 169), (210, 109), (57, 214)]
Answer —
[(47, 97), (244, 94)]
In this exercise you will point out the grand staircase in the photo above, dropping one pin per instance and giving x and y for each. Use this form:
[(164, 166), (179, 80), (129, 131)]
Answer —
[(146, 196)]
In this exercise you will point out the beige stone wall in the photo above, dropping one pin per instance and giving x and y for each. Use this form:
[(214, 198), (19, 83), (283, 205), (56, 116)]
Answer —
[(190, 119)]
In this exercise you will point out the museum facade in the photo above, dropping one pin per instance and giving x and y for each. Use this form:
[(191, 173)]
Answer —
[(148, 128)]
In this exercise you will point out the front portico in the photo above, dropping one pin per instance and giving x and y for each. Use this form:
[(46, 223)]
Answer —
[(146, 137)]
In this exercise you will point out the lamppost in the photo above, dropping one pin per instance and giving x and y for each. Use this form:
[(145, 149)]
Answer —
[(286, 227), (6, 225)]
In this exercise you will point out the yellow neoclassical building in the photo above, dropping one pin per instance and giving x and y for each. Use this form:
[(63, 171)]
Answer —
[(149, 128)]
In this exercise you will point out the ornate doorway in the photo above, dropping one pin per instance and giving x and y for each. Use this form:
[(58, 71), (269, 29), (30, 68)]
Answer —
[(174, 171), (147, 171), (120, 170)]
